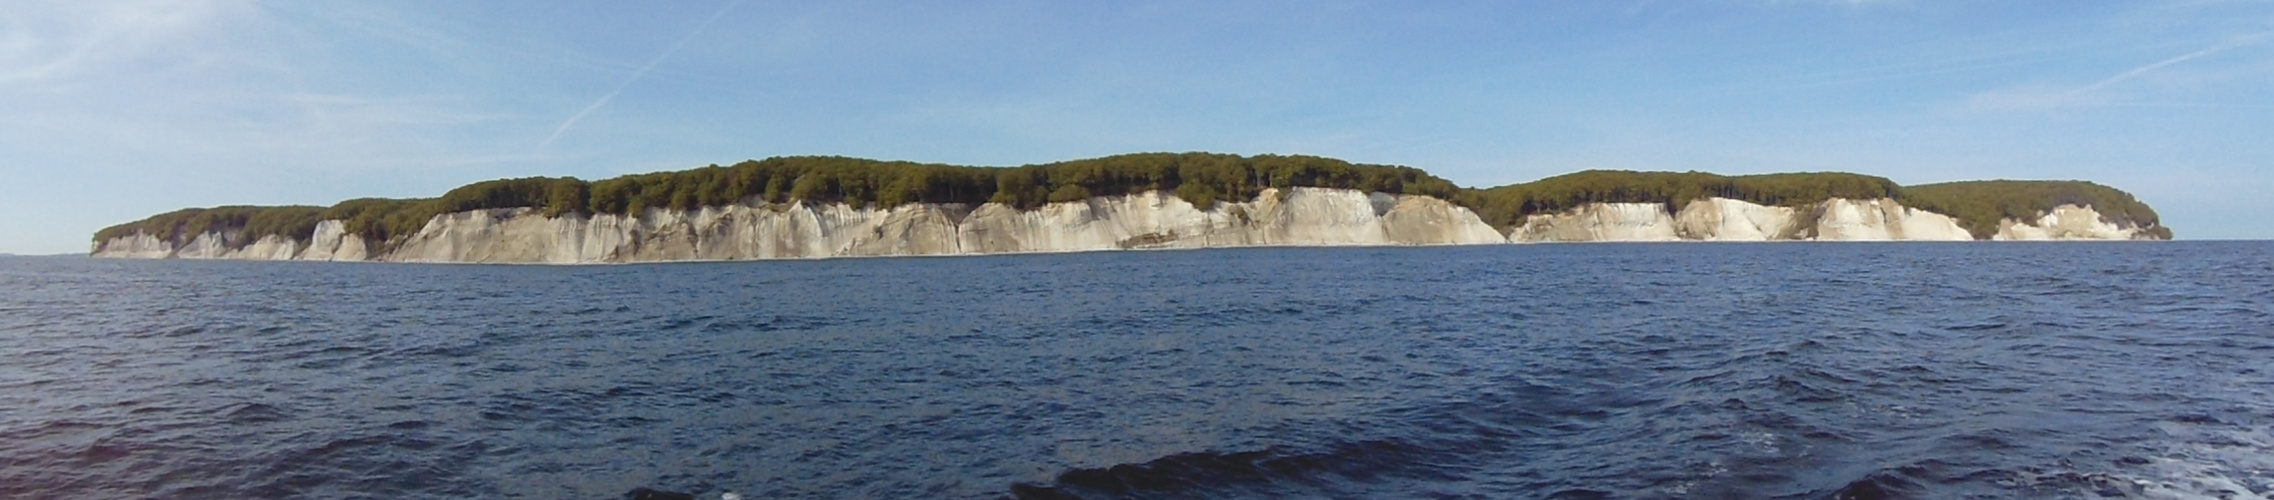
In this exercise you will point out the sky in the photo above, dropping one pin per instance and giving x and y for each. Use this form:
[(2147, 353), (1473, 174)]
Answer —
[(114, 110)]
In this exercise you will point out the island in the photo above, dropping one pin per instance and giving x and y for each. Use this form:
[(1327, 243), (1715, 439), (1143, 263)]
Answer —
[(825, 206)]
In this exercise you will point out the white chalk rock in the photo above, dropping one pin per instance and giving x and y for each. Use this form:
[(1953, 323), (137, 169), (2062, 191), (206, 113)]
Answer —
[(2069, 222)]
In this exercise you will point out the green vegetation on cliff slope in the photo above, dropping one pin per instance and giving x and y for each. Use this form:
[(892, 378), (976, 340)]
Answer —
[(250, 223), (1506, 206), (1980, 205), (1200, 178)]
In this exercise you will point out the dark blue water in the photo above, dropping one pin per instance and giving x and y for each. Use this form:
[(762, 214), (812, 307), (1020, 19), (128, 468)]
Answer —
[(1580, 371)]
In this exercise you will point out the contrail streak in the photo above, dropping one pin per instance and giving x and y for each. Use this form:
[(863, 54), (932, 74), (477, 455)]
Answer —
[(611, 95), (2136, 72)]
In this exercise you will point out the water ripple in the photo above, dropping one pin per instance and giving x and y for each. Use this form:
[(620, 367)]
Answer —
[(1581, 371)]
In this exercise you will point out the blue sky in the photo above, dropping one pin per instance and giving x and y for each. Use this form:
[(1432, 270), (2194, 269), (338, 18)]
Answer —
[(115, 110)]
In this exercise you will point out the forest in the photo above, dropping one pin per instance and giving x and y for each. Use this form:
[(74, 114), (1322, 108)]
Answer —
[(1199, 178)]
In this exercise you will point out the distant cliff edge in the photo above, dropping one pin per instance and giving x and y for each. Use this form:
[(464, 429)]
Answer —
[(808, 207)]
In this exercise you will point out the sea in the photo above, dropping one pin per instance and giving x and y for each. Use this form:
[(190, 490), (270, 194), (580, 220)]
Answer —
[(1578, 371)]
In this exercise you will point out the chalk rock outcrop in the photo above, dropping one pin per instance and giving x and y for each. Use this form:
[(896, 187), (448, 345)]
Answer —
[(328, 243), (1721, 219), (209, 245), (2070, 222), (734, 232), (1884, 220), (136, 246), (332, 242), (1599, 222), (1298, 216)]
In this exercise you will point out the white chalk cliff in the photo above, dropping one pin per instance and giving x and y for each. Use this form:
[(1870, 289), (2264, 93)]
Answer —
[(1296, 217), (1721, 219), (1883, 220), (1599, 222), (2070, 222)]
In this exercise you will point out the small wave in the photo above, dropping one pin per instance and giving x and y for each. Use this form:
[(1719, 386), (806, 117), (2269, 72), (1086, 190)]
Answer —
[(760, 323), (1208, 474), (1803, 392), (1976, 327), (255, 413), (1878, 486)]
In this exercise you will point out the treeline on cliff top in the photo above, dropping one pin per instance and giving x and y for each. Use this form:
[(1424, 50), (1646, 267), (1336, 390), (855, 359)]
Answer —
[(1199, 178), (1507, 206)]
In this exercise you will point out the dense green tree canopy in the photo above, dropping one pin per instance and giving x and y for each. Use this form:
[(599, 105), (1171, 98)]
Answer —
[(1507, 205), (1200, 178), (246, 223)]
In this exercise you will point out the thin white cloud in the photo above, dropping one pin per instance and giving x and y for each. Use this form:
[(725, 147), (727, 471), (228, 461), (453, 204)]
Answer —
[(45, 41), (636, 74), (2136, 72), (2044, 96)]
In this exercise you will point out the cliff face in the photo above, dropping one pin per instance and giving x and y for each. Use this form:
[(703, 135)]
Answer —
[(1883, 220), (137, 246), (1720, 219), (331, 242), (209, 245), (1723, 219), (1599, 222), (2071, 222), (1300, 216)]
